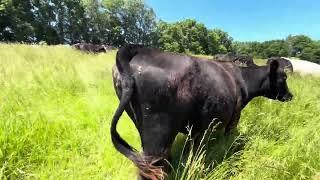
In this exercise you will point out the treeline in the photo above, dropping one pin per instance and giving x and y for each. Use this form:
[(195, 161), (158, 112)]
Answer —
[(68, 21), (113, 22), (189, 36), (116, 22), (299, 46)]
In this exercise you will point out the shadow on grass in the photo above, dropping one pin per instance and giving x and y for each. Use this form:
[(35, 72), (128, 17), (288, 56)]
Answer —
[(191, 162)]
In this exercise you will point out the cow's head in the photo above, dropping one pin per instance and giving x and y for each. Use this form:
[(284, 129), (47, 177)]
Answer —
[(276, 84)]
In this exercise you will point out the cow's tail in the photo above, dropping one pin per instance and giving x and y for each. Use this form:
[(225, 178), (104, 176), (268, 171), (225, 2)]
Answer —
[(124, 56)]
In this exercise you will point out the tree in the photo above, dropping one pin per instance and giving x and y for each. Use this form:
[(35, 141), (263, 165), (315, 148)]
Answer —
[(59, 21), (75, 21), (263, 49), (306, 54), (54, 21), (16, 20), (190, 36), (219, 42), (298, 43), (133, 18), (224, 40), (214, 46), (112, 22), (45, 21), (316, 55), (241, 47), (117, 22), (194, 36), (169, 37), (275, 48), (98, 21), (255, 49), (6, 21)]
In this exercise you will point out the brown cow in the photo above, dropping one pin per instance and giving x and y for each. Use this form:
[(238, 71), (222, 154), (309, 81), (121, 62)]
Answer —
[(92, 48)]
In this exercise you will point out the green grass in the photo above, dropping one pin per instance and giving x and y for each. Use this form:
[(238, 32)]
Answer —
[(55, 110), (260, 62)]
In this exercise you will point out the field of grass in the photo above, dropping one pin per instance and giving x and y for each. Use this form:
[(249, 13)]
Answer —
[(55, 110)]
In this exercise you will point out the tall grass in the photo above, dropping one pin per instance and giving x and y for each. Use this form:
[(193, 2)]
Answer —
[(55, 110)]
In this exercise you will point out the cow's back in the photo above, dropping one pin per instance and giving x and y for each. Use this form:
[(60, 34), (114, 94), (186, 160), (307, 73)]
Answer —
[(159, 77)]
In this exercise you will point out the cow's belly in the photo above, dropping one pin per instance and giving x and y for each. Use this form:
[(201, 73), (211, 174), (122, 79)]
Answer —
[(218, 111)]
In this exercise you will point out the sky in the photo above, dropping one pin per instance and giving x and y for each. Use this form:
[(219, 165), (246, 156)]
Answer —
[(246, 20)]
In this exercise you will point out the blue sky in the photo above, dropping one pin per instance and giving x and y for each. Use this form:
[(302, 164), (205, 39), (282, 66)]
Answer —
[(247, 20)]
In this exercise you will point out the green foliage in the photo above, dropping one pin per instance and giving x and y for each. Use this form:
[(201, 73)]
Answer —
[(276, 48), (55, 110), (306, 53), (68, 21), (299, 46), (40, 20), (273, 48), (224, 41), (113, 22), (189, 36), (15, 21), (136, 19), (304, 47), (316, 55), (117, 22)]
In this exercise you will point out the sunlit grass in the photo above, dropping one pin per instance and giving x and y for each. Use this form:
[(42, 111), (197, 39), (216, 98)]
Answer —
[(260, 62), (55, 110)]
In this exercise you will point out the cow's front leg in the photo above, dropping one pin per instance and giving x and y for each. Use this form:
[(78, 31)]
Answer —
[(232, 124)]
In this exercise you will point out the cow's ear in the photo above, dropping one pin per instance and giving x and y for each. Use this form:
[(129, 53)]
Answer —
[(274, 65)]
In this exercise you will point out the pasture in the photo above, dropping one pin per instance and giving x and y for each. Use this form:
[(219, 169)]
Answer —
[(56, 105)]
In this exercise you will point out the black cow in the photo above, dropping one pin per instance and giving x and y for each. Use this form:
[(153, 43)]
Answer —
[(92, 48), (283, 63), (164, 92), (240, 60)]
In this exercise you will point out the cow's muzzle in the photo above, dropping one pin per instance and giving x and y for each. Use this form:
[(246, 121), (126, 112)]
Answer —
[(287, 97)]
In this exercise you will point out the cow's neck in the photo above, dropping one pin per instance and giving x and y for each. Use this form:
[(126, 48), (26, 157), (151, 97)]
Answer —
[(254, 78)]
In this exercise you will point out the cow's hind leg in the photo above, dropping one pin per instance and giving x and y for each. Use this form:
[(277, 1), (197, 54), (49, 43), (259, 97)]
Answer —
[(157, 135)]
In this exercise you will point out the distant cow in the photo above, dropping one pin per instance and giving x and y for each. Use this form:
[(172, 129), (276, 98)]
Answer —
[(284, 63), (93, 48), (240, 60), (163, 93)]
